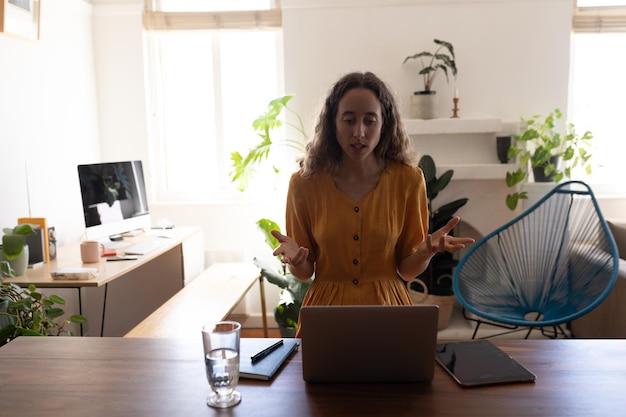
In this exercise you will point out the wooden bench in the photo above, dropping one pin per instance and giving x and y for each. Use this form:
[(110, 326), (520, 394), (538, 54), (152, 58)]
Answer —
[(210, 297)]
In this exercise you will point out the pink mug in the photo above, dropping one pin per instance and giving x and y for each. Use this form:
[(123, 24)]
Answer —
[(91, 251)]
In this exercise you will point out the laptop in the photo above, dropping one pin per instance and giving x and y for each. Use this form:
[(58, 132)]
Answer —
[(368, 343)]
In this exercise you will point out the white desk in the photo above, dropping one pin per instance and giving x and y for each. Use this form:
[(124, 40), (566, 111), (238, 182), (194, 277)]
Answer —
[(124, 292)]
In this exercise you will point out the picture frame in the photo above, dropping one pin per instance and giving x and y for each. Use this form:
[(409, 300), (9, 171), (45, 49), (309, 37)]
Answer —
[(20, 18)]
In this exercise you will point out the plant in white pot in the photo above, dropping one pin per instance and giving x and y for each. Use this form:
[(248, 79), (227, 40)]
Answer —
[(14, 248), (551, 151), (423, 105)]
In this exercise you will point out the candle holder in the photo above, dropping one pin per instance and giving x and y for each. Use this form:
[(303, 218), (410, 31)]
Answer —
[(455, 110)]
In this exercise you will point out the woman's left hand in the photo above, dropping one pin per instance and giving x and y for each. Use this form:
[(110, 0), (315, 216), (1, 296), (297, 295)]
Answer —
[(441, 241)]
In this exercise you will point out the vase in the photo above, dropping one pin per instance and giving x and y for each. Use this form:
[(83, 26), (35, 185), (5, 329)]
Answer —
[(503, 143), (18, 264), (539, 173), (287, 332), (445, 302), (424, 105)]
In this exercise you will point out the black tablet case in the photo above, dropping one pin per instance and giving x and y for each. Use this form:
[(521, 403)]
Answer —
[(480, 362)]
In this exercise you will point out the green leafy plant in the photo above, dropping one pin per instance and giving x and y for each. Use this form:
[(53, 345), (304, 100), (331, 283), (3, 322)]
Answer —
[(244, 167), (435, 63), (541, 146), (292, 291), (441, 264), (27, 312), (14, 240)]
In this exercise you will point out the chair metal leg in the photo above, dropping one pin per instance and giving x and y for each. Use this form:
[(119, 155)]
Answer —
[(555, 332)]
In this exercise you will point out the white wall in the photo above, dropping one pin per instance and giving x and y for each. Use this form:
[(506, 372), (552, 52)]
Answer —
[(512, 55), (48, 118), (78, 95)]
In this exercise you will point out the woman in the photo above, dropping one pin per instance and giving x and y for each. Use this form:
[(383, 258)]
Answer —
[(357, 213)]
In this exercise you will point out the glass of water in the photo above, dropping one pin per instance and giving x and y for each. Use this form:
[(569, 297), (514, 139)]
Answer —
[(221, 357)]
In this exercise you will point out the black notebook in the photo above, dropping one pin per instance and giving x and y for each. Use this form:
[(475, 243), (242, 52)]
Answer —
[(266, 367)]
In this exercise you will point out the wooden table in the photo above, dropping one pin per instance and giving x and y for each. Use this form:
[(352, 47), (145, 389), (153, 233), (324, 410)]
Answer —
[(165, 377)]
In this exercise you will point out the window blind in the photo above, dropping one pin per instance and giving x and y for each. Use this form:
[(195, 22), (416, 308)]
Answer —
[(600, 20), (248, 19)]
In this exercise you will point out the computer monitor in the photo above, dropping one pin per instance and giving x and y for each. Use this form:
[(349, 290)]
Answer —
[(114, 199)]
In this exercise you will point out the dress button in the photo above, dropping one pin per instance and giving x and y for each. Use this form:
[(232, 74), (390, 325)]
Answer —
[(355, 281), (356, 209), (355, 261), (356, 237)]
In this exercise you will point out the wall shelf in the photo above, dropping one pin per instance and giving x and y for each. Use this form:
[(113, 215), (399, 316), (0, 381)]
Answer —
[(467, 146), (452, 126), (478, 171)]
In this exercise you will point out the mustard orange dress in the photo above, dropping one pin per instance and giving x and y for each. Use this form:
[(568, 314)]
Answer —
[(356, 245)]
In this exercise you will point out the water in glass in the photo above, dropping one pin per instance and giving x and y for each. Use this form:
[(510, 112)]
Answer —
[(222, 370)]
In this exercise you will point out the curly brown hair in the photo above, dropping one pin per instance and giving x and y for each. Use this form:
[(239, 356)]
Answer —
[(323, 153)]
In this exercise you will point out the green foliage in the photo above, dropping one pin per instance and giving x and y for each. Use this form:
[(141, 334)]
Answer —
[(27, 312), (293, 290), (435, 63), (541, 145), (244, 167), (434, 185), (14, 239), (442, 263)]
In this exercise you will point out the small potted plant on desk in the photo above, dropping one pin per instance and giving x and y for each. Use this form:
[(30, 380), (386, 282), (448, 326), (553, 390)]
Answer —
[(423, 105), (545, 149), (434, 286), (292, 291), (27, 312), (14, 247)]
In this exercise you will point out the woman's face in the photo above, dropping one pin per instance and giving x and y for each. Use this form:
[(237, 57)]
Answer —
[(358, 123)]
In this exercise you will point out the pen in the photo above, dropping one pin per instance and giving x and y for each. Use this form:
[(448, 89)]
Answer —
[(266, 351)]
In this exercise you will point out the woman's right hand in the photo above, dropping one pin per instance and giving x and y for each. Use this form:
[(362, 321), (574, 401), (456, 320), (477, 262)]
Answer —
[(289, 250)]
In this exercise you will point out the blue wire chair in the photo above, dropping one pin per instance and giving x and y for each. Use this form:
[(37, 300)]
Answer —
[(550, 265)]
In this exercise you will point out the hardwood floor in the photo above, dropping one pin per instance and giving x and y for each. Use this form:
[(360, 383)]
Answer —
[(259, 333)]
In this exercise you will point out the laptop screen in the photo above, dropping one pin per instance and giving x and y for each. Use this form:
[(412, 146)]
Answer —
[(368, 343)]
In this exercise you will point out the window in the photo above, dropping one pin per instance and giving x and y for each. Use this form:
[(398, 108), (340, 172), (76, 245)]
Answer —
[(598, 87), (210, 75)]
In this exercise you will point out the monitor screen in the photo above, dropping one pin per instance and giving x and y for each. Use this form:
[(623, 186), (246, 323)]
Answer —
[(114, 198)]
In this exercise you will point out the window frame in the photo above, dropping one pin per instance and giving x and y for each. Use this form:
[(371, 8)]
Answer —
[(596, 20), (154, 21)]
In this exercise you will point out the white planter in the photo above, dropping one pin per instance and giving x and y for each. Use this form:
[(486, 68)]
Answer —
[(424, 106), (18, 264)]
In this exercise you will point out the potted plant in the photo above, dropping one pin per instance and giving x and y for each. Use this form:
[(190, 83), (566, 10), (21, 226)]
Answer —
[(433, 64), (14, 248), (434, 286), (552, 155), (244, 166), (292, 291), (27, 312)]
